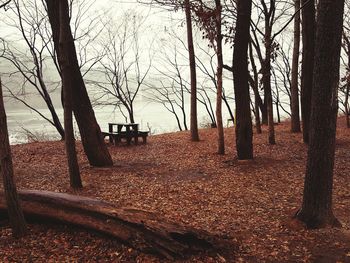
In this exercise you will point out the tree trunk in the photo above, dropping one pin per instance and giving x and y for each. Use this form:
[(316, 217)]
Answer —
[(146, 231), (221, 139), (46, 96), (316, 210), (13, 207), (68, 82), (194, 123), (278, 111), (254, 85), (267, 87), (131, 115), (307, 67), (295, 119), (263, 108), (347, 113), (244, 130), (232, 116), (90, 132)]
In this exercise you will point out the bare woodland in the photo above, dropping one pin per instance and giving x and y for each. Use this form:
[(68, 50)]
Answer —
[(279, 71)]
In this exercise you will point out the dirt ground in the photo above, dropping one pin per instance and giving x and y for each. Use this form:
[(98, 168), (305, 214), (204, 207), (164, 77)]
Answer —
[(251, 203)]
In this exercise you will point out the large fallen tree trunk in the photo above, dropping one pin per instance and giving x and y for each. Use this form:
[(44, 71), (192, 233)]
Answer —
[(145, 231)]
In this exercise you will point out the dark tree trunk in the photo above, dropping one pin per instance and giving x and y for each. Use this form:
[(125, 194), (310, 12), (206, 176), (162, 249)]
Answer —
[(347, 90), (194, 123), (221, 139), (254, 85), (295, 119), (267, 87), (257, 116), (347, 113), (278, 111), (244, 130), (14, 209), (277, 101), (232, 116), (316, 210), (308, 37), (131, 116), (55, 119), (65, 41), (263, 108), (90, 132)]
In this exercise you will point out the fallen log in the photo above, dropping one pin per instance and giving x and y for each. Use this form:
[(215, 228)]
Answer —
[(142, 230)]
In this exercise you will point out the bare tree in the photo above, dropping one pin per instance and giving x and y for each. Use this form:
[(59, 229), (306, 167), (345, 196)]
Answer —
[(271, 12), (316, 210), (295, 118), (206, 65), (31, 22), (35, 62), (192, 61), (345, 87), (307, 67), (123, 66), (15, 213), (209, 18), (90, 132), (244, 131), (171, 98), (66, 39), (254, 84)]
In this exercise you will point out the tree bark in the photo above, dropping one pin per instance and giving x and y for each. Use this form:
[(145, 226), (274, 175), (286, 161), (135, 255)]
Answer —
[(263, 108), (254, 85), (347, 89), (267, 87), (12, 205), (142, 230), (65, 41), (194, 122), (90, 132), (316, 210), (307, 67), (347, 113), (244, 130), (295, 119), (221, 138)]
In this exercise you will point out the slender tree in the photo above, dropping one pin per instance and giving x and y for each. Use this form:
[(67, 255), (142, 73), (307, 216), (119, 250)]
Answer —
[(254, 83), (345, 87), (221, 139), (295, 119), (66, 39), (30, 21), (124, 71), (90, 132), (307, 67), (316, 210), (244, 131), (209, 19), (15, 213), (193, 116)]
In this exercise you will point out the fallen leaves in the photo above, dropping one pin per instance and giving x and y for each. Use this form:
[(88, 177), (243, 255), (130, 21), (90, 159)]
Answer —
[(251, 203)]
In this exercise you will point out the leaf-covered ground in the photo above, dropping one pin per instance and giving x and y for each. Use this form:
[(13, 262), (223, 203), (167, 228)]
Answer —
[(250, 202)]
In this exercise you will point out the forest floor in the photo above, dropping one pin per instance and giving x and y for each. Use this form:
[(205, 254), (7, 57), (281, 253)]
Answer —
[(250, 202)]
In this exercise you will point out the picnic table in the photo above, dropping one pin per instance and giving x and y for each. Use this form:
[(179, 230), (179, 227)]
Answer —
[(126, 131)]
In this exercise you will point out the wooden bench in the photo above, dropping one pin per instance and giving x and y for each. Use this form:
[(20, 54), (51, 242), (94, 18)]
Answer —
[(144, 135), (115, 137)]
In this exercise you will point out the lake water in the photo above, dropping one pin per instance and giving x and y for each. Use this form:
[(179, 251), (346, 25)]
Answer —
[(23, 122)]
